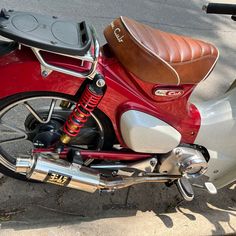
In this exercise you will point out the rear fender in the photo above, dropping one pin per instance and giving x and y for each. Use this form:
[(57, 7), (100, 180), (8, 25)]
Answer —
[(20, 72)]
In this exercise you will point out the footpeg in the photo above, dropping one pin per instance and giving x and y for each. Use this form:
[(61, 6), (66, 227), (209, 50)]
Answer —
[(185, 189)]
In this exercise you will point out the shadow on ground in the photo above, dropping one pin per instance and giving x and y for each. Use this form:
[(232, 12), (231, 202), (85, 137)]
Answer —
[(29, 205)]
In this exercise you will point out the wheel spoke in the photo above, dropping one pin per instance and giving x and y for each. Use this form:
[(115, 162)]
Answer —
[(37, 116), (15, 130)]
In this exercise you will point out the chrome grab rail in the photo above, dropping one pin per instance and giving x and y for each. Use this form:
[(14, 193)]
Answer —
[(87, 57)]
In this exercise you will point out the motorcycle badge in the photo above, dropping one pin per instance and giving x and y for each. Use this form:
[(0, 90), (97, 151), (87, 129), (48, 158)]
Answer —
[(168, 92), (58, 178)]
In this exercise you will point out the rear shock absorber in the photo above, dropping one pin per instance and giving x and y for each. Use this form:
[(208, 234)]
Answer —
[(88, 101)]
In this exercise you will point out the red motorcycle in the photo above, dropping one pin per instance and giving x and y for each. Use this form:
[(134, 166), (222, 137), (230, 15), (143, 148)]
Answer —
[(92, 118)]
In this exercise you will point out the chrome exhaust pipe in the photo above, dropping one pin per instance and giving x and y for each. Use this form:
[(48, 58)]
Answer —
[(56, 171)]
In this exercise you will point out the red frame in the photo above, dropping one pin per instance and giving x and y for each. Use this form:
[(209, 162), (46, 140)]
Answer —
[(20, 72)]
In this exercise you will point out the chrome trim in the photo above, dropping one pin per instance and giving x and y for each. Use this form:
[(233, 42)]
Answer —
[(147, 165), (23, 165), (75, 176), (47, 169), (123, 182), (185, 161), (87, 57), (37, 117)]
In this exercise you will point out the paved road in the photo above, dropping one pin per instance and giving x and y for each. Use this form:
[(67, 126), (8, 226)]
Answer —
[(141, 210)]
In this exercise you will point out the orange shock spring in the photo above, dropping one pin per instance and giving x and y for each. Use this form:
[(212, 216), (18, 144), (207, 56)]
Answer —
[(88, 101)]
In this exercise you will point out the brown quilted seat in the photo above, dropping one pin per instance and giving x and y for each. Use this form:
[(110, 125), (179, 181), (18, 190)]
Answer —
[(159, 57)]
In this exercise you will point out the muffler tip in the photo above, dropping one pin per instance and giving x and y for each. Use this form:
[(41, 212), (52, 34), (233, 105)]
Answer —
[(23, 164)]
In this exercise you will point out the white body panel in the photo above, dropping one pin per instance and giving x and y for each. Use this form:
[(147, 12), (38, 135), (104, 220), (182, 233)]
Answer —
[(218, 134), (145, 133)]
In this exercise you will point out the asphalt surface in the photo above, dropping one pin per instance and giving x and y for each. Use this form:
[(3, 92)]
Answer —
[(148, 209)]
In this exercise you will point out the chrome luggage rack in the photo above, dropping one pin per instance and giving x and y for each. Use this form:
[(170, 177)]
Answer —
[(90, 56), (54, 35)]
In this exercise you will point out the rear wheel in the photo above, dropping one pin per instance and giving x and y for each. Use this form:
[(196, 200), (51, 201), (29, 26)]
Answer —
[(34, 120)]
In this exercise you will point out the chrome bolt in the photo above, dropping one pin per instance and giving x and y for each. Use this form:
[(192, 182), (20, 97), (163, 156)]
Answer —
[(44, 73), (178, 164), (178, 152), (152, 162), (100, 83)]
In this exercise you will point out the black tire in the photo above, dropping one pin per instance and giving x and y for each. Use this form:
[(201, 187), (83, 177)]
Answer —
[(109, 135)]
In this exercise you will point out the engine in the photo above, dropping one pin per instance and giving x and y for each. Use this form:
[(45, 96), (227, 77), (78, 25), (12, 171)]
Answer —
[(189, 161)]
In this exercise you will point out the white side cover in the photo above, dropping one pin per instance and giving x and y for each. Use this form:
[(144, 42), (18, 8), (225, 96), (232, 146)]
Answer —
[(218, 134), (145, 133)]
